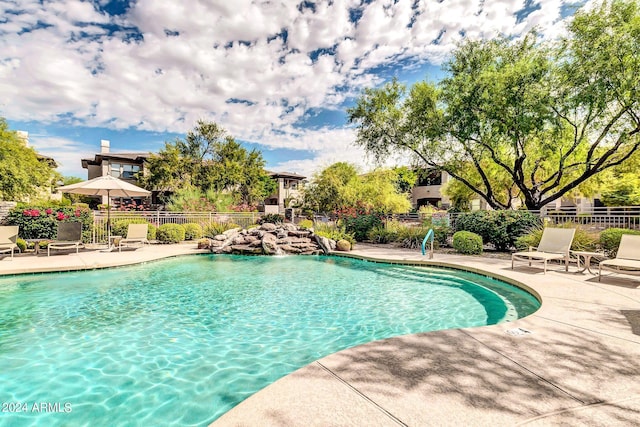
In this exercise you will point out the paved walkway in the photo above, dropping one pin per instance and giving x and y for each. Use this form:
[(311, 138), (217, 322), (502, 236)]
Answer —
[(580, 365), (90, 259)]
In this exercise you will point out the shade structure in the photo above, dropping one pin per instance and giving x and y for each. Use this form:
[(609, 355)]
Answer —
[(106, 186)]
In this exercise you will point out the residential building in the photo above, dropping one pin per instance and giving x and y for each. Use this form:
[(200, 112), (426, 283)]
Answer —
[(287, 193), (428, 190), (119, 165), (126, 165)]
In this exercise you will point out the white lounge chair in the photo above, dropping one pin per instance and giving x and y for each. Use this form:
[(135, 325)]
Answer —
[(554, 244), (8, 239), (136, 235), (69, 237), (627, 260)]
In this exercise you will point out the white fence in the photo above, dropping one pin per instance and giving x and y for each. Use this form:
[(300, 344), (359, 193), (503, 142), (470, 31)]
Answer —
[(158, 218), (595, 218)]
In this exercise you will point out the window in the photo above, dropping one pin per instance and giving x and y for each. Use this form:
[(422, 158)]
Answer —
[(130, 171), (126, 171), (429, 178)]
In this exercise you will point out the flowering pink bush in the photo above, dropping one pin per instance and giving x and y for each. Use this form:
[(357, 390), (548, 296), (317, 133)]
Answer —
[(40, 222)]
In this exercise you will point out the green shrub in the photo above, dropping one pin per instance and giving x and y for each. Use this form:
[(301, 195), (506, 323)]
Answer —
[(22, 244), (382, 234), (441, 234), (499, 228), (306, 224), (467, 242), (271, 218), (192, 231), (610, 239), (360, 225), (531, 239), (170, 233), (214, 228), (411, 237)]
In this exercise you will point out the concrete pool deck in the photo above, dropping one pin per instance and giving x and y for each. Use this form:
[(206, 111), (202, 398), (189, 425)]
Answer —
[(579, 363)]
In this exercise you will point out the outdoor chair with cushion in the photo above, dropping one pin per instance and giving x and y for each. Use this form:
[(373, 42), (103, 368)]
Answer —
[(8, 239), (136, 236), (554, 245), (627, 260), (69, 237)]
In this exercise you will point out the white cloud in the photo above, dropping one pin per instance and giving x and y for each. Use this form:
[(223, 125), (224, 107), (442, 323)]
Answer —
[(66, 152), (191, 58)]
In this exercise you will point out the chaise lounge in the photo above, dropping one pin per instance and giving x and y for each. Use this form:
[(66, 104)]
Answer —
[(136, 236), (69, 237), (8, 239), (627, 260), (554, 245)]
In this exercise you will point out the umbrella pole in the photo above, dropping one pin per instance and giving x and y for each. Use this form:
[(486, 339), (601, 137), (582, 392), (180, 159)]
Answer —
[(108, 219)]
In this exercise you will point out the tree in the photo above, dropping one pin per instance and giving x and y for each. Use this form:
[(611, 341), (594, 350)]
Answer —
[(339, 186), (324, 191), (75, 198), (211, 162), (406, 179), (621, 187), (519, 118), (21, 171)]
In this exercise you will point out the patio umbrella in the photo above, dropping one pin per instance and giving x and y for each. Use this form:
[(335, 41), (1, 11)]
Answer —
[(105, 186)]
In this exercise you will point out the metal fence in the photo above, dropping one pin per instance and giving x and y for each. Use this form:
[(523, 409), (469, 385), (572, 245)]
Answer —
[(597, 218), (158, 218)]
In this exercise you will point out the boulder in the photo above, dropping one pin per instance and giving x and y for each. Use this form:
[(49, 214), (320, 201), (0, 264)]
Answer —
[(343, 245), (239, 240), (289, 227), (299, 233), (216, 243), (245, 250), (204, 243), (290, 249), (327, 245), (267, 226), (269, 245)]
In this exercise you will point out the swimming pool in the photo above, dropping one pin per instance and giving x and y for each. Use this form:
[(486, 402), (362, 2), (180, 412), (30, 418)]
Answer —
[(181, 341)]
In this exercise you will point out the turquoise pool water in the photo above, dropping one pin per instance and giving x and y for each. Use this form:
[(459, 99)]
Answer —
[(181, 341)]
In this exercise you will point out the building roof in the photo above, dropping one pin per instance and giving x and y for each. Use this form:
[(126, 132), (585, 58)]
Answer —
[(290, 175), (99, 158)]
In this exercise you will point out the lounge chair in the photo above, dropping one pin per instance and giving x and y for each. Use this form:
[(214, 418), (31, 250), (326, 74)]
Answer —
[(627, 260), (8, 239), (554, 244), (136, 235), (69, 237)]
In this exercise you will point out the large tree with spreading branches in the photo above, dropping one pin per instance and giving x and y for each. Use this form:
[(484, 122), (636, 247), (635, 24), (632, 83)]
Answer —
[(520, 118)]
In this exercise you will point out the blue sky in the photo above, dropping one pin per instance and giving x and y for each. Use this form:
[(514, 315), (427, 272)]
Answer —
[(277, 75)]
